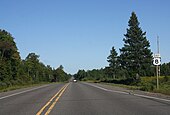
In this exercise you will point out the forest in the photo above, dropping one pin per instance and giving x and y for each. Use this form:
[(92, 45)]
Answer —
[(17, 71)]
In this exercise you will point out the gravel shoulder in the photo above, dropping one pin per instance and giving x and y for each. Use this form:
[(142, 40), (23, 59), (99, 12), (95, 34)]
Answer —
[(139, 92)]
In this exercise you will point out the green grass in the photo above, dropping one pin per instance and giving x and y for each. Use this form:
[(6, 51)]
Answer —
[(124, 86), (23, 86), (164, 88), (149, 84), (117, 85)]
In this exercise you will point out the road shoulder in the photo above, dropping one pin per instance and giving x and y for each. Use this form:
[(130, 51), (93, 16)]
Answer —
[(133, 92)]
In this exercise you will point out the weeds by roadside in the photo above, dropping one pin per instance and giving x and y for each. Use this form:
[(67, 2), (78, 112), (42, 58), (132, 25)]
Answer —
[(21, 86), (145, 84)]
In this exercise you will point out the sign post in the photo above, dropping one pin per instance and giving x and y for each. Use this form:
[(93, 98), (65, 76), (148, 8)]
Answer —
[(157, 63)]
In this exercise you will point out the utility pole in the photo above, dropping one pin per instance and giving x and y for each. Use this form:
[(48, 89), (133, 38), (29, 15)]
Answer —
[(157, 76), (157, 63), (159, 68)]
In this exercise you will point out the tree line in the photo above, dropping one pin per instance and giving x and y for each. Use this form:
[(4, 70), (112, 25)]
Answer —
[(134, 61), (17, 71)]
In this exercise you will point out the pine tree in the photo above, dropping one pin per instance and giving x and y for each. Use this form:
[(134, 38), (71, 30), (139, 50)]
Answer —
[(135, 56), (113, 61)]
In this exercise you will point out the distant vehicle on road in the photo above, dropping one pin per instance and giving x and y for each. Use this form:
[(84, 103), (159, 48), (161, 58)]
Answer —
[(74, 80)]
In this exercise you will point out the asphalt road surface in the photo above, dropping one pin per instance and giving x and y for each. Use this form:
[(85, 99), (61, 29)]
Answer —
[(78, 99)]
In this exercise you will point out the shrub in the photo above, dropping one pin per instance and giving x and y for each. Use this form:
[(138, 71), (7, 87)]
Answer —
[(147, 87), (2, 85)]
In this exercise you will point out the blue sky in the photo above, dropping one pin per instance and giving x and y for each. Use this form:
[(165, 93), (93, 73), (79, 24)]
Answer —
[(79, 34)]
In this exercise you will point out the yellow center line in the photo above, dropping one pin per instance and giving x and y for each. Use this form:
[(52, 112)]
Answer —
[(58, 93), (53, 104)]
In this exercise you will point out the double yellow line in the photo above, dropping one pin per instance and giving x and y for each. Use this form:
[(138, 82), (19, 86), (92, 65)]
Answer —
[(58, 95)]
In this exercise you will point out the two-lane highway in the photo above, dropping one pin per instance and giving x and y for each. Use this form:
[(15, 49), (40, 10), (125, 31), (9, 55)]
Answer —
[(80, 99)]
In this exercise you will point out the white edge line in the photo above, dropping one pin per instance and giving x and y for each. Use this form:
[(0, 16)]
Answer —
[(149, 97), (22, 92), (106, 89)]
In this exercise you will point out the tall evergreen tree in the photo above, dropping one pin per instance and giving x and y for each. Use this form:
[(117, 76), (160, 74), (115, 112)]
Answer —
[(135, 56), (113, 61)]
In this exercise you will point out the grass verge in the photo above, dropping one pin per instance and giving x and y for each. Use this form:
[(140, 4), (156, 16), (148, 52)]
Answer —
[(146, 84), (125, 86), (22, 86)]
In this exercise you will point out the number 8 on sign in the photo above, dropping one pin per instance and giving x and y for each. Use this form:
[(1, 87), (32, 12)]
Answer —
[(156, 61)]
